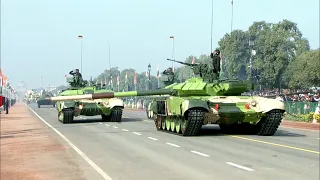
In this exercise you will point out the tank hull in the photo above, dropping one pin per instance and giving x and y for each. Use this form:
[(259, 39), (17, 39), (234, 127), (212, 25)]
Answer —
[(234, 114)]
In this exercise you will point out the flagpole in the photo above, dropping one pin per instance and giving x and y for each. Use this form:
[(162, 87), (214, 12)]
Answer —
[(231, 15)]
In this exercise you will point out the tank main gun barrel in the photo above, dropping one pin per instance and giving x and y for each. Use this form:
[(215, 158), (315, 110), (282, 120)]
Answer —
[(187, 64), (114, 94)]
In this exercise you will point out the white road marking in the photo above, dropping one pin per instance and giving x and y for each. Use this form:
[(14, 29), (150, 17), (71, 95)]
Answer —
[(100, 123), (107, 124), (153, 138), (174, 145), (137, 133), (147, 120), (114, 126), (125, 130), (239, 166), (199, 153), (86, 158)]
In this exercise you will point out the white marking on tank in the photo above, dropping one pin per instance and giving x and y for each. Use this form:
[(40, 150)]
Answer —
[(115, 127), (84, 156), (137, 133), (199, 153), (174, 145), (155, 139), (107, 124), (239, 166), (125, 130)]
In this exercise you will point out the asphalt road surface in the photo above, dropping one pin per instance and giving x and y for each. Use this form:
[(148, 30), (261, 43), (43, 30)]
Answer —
[(135, 150)]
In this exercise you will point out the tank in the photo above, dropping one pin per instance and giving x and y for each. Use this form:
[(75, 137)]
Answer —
[(183, 108), (42, 100), (110, 109)]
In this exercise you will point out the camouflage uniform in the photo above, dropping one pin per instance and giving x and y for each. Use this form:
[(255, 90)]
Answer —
[(215, 55), (77, 76)]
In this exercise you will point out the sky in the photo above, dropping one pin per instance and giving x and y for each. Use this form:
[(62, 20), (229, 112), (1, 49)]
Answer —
[(39, 38)]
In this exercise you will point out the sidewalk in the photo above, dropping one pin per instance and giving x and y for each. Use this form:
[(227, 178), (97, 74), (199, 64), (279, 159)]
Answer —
[(30, 151)]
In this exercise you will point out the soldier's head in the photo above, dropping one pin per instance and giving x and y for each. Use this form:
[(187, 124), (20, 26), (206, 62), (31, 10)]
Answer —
[(76, 70), (216, 52), (169, 69)]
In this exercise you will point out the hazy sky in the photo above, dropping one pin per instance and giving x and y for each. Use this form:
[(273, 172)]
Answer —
[(39, 37)]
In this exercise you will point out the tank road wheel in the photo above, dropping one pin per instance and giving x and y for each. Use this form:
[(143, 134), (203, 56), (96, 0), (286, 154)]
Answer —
[(193, 122), (270, 123), (173, 123), (116, 114), (178, 124), (105, 118), (163, 122), (168, 123), (66, 116)]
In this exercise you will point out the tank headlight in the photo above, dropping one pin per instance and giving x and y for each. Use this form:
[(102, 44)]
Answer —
[(253, 103)]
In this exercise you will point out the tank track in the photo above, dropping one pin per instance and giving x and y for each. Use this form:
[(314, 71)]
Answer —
[(67, 116), (194, 122), (269, 125), (115, 116)]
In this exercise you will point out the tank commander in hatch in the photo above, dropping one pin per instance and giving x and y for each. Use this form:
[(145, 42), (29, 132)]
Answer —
[(77, 75), (215, 55)]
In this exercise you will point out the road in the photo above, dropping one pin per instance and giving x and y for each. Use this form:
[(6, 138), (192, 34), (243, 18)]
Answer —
[(134, 149)]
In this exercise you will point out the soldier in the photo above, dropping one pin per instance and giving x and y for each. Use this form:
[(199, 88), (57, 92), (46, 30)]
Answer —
[(77, 75), (215, 55), (170, 76)]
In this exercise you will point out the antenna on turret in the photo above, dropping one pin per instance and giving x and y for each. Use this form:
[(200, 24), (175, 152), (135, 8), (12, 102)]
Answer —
[(211, 22)]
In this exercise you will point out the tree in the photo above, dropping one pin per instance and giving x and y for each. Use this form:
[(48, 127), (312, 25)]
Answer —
[(304, 72)]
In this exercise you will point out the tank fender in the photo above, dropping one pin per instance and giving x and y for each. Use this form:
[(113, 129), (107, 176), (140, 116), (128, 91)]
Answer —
[(66, 104), (115, 102), (193, 103), (265, 105)]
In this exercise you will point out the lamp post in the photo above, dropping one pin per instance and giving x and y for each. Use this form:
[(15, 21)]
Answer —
[(252, 53), (149, 69), (80, 37), (172, 37)]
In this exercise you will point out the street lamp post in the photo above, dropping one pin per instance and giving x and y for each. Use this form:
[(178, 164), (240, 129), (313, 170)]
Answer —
[(172, 37), (80, 37), (252, 53), (149, 69)]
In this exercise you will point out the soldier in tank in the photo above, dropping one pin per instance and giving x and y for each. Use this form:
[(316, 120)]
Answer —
[(215, 55), (77, 75), (170, 74)]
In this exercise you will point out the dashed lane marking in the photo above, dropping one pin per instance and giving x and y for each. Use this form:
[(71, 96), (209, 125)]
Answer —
[(100, 123), (174, 145), (85, 157), (239, 166), (201, 154), (155, 139), (275, 144), (147, 120), (125, 130), (107, 124), (115, 127), (137, 133)]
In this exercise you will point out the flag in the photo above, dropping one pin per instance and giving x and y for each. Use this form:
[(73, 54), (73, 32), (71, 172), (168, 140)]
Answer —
[(158, 73), (135, 80), (173, 67), (111, 82), (80, 37), (171, 37), (147, 73), (193, 60), (118, 80)]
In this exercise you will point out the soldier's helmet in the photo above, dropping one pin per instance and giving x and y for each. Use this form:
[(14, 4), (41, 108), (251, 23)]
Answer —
[(217, 52), (76, 70)]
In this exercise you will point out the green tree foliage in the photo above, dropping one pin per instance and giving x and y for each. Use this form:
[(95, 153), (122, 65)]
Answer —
[(283, 58), (305, 70)]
